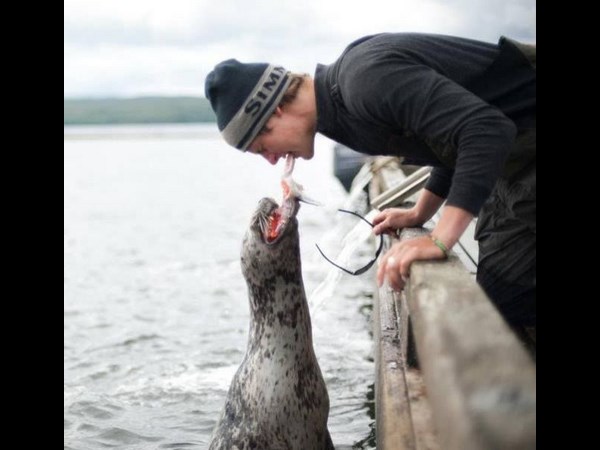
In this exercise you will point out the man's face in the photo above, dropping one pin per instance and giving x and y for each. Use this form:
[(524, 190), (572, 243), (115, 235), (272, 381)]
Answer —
[(282, 134)]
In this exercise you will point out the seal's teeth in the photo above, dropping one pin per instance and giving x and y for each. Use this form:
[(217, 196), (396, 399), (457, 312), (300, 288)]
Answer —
[(280, 226), (274, 225)]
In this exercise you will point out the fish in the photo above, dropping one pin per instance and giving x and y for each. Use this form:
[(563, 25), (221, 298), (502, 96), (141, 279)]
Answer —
[(291, 188)]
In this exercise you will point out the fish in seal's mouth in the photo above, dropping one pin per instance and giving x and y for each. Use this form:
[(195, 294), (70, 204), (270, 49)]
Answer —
[(274, 219)]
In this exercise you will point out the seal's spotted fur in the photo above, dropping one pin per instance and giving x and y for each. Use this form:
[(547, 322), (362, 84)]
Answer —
[(278, 398)]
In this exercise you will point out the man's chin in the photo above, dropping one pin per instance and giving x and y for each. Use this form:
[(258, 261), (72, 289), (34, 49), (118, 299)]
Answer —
[(308, 154)]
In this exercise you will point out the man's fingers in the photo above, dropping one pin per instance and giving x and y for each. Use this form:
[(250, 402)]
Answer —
[(379, 217), (380, 227), (390, 271), (381, 269), (404, 271)]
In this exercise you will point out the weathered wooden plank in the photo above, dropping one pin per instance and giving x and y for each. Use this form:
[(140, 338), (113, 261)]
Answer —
[(420, 410), (403, 412), (480, 380), (394, 423)]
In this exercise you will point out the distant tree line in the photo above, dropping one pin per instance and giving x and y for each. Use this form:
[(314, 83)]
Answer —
[(138, 110)]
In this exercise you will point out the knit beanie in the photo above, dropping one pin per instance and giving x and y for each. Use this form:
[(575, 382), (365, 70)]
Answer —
[(243, 97)]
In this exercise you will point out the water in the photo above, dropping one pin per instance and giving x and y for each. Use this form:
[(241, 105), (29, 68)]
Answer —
[(155, 306), (348, 253)]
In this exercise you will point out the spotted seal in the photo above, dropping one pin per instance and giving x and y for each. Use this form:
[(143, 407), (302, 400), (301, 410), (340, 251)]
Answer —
[(278, 398)]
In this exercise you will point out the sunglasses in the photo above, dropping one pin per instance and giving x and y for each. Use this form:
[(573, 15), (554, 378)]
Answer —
[(362, 269)]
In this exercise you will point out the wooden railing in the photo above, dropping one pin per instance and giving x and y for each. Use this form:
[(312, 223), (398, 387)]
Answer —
[(451, 374)]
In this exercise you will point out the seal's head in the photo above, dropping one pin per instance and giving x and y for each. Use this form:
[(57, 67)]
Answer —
[(272, 241)]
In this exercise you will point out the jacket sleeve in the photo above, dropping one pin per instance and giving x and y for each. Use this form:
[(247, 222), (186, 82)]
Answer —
[(439, 181), (467, 134)]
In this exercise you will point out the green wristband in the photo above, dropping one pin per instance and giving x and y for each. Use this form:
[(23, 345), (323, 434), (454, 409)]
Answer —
[(440, 245)]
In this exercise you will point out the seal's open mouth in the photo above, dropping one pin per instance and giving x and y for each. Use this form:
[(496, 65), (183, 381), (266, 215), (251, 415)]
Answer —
[(276, 219)]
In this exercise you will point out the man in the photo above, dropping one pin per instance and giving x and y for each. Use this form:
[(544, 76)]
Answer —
[(465, 107)]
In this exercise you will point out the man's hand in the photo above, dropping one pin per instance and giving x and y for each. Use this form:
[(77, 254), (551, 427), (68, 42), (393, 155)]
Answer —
[(395, 264), (391, 219)]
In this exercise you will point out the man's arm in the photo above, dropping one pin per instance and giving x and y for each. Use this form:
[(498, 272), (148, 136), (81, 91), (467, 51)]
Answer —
[(452, 225), (391, 219), (395, 264)]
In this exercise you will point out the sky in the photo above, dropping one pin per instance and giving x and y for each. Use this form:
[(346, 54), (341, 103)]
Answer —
[(129, 48)]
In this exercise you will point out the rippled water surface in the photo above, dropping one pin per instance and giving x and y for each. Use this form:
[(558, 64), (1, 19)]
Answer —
[(155, 308)]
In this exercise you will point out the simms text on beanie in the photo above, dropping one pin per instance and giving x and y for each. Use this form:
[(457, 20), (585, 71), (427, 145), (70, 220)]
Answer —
[(243, 97)]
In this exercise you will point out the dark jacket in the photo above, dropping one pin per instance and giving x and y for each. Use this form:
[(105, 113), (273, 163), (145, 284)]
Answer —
[(452, 103)]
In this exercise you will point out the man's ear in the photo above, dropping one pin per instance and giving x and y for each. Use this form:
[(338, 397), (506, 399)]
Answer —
[(278, 111)]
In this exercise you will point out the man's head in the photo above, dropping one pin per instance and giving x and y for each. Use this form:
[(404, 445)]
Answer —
[(262, 108)]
